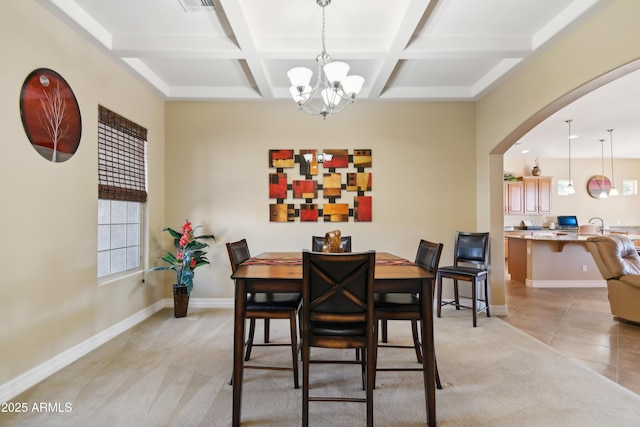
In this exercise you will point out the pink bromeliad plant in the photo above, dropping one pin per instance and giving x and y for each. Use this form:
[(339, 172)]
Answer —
[(189, 254)]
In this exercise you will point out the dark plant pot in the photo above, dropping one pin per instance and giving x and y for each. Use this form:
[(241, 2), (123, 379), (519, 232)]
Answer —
[(180, 300), (536, 171)]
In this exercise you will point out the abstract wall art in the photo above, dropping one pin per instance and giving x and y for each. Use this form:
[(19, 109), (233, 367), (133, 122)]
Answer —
[(329, 175)]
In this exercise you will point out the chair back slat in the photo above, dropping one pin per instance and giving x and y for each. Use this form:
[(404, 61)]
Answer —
[(472, 248), (238, 253), (428, 255), (337, 283)]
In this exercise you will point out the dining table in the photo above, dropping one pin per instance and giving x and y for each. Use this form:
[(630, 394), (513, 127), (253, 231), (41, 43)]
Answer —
[(282, 272)]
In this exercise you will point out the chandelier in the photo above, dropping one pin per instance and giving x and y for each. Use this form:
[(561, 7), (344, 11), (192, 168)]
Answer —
[(333, 83)]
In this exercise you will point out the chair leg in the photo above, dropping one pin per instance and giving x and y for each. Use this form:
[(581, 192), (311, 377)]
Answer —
[(456, 294), (486, 295), (416, 340), (364, 368), (266, 330), (474, 303), (383, 324), (438, 383), (305, 384), (294, 348), (252, 331), (375, 354), (439, 286), (369, 356)]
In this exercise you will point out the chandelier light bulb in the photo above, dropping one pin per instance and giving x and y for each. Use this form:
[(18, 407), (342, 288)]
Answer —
[(352, 85), (336, 72), (300, 76)]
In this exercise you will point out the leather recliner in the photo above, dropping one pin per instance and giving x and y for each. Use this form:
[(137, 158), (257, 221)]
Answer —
[(619, 263)]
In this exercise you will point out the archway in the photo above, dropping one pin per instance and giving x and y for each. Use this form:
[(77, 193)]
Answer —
[(496, 166)]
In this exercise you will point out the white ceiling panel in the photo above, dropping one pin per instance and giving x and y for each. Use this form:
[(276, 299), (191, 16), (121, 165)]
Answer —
[(405, 49)]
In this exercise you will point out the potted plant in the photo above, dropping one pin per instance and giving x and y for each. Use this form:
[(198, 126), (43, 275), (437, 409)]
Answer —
[(189, 255)]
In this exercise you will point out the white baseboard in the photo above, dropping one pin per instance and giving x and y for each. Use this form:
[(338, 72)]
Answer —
[(499, 310), (23, 382), (205, 302), (566, 283)]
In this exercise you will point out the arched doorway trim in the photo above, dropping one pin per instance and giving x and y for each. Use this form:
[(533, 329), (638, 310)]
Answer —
[(562, 102)]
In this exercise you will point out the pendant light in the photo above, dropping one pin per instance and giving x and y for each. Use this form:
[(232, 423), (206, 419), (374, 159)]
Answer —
[(614, 190), (570, 190), (603, 193)]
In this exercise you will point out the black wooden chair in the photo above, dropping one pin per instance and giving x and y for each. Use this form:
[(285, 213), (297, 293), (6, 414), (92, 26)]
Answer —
[(318, 241), (337, 313), (471, 264), (267, 306), (404, 306)]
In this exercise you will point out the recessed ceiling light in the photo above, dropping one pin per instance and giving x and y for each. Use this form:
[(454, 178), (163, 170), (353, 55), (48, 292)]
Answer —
[(524, 151)]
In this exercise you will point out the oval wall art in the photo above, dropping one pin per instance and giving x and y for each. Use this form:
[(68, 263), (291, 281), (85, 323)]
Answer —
[(50, 115)]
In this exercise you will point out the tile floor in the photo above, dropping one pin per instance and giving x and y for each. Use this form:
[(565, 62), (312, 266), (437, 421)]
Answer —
[(578, 323)]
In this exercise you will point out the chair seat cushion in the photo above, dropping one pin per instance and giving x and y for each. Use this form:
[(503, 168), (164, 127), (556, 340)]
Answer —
[(274, 301), (460, 269), (397, 302), (338, 328)]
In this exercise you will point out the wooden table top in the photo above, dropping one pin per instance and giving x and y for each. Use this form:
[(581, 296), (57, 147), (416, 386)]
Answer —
[(293, 270)]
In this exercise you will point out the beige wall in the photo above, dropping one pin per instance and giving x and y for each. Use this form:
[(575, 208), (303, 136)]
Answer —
[(217, 174), (615, 211), (51, 297)]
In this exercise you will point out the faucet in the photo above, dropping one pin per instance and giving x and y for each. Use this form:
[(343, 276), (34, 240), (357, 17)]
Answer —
[(601, 223)]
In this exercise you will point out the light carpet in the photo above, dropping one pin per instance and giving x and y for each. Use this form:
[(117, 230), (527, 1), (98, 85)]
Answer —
[(175, 372)]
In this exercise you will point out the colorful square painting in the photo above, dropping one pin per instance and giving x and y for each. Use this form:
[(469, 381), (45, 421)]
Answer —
[(308, 212), (362, 208), (358, 181), (336, 212), (307, 189), (339, 159), (303, 188), (331, 185), (308, 162), (281, 213), (281, 159), (362, 158), (277, 185)]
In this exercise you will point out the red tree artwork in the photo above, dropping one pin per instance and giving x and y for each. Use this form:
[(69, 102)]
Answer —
[(50, 115)]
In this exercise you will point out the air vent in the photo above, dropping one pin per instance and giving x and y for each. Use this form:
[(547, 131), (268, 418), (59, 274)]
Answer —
[(196, 5)]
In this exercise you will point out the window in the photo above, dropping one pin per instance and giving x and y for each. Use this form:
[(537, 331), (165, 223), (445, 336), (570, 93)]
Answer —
[(121, 192), (119, 229), (629, 187)]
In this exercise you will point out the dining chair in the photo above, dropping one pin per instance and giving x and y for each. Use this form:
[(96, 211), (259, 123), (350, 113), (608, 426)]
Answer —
[(405, 306), (318, 241), (267, 306), (337, 313), (471, 264)]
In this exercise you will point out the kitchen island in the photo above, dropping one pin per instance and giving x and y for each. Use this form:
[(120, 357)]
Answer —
[(553, 259)]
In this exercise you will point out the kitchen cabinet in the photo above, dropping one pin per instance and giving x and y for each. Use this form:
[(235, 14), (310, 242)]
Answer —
[(513, 197), (537, 195)]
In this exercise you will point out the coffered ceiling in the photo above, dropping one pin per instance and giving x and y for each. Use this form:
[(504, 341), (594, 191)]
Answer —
[(406, 50)]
